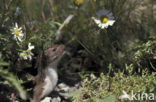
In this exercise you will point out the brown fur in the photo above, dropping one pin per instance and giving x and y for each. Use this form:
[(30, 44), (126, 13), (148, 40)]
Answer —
[(38, 92)]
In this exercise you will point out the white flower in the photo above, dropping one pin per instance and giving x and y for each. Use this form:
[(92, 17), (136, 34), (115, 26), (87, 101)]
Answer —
[(17, 32), (27, 54), (63, 26), (105, 19), (30, 47)]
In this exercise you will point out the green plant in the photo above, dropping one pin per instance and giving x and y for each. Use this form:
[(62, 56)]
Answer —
[(13, 82), (143, 55), (98, 87)]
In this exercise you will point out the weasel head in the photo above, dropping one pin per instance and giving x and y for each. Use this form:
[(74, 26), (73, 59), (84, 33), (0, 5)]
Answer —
[(54, 54)]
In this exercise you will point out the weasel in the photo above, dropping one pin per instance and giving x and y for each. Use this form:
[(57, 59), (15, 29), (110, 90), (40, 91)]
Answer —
[(47, 76)]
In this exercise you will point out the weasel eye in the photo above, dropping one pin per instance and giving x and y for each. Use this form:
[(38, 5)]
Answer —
[(54, 49)]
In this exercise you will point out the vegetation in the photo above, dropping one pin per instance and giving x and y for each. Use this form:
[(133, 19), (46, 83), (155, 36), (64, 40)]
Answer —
[(121, 55)]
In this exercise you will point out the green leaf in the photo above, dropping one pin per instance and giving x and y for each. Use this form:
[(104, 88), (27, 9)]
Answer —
[(57, 23), (74, 95), (14, 82), (4, 63), (107, 99)]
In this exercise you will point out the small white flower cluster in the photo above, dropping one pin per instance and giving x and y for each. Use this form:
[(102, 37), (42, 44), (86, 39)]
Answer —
[(104, 19), (18, 36), (27, 54)]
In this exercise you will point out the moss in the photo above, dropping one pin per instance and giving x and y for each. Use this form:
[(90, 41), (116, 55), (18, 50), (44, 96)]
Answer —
[(99, 87)]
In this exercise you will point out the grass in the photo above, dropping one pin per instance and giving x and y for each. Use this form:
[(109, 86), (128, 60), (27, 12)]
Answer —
[(99, 88)]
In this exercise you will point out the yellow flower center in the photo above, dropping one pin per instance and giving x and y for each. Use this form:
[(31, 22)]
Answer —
[(16, 32), (104, 19), (78, 2)]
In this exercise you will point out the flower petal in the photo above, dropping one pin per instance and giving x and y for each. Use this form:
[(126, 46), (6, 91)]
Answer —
[(16, 25)]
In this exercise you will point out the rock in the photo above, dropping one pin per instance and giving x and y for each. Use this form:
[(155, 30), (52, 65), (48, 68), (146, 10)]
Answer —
[(78, 84), (72, 89), (63, 87), (66, 89), (46, 99), (58, 99)]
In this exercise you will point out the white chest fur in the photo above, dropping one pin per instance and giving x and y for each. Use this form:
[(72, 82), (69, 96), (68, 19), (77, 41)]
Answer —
[(50, 80)]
